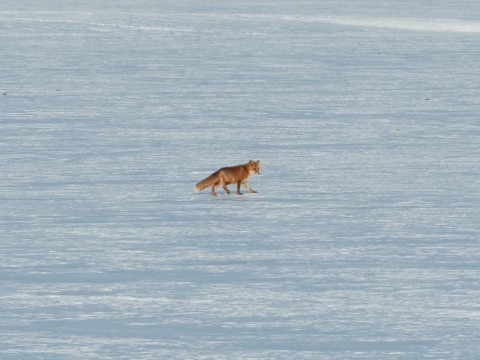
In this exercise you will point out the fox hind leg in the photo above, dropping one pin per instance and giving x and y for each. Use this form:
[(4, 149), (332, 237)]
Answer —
[(226, 188), (213, 188)]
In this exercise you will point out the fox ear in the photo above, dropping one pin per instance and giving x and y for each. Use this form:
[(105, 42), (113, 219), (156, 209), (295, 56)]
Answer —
[(250, 162)]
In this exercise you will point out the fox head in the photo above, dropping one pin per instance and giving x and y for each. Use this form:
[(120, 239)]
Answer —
[(254, 166)]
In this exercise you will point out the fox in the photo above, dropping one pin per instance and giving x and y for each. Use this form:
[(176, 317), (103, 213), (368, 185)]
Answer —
[(230, 175)]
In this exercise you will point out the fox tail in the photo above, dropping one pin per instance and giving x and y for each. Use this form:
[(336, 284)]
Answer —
[(210, 180)]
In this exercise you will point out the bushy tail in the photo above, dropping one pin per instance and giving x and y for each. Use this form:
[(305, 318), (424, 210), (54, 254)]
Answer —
[(206, 182)]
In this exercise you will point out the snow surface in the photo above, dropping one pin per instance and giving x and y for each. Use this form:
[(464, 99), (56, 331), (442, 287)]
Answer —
[(363, 239)]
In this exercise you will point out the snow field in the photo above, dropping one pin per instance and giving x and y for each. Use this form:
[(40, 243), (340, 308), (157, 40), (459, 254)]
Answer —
[(362, 242)]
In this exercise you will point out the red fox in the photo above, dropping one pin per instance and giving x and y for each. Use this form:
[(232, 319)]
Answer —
[(230, 175)]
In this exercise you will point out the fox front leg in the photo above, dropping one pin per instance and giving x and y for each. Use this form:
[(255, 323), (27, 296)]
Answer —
[(238, 187), (248, 187)]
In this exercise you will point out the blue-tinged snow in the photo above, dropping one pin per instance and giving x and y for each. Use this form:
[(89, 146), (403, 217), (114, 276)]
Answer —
[(363, 239)]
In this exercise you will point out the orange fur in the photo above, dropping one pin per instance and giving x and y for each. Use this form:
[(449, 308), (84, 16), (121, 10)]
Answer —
[(230, 175)]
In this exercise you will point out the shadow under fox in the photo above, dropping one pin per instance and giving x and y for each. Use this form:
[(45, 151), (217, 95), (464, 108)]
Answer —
[(230, 175)]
